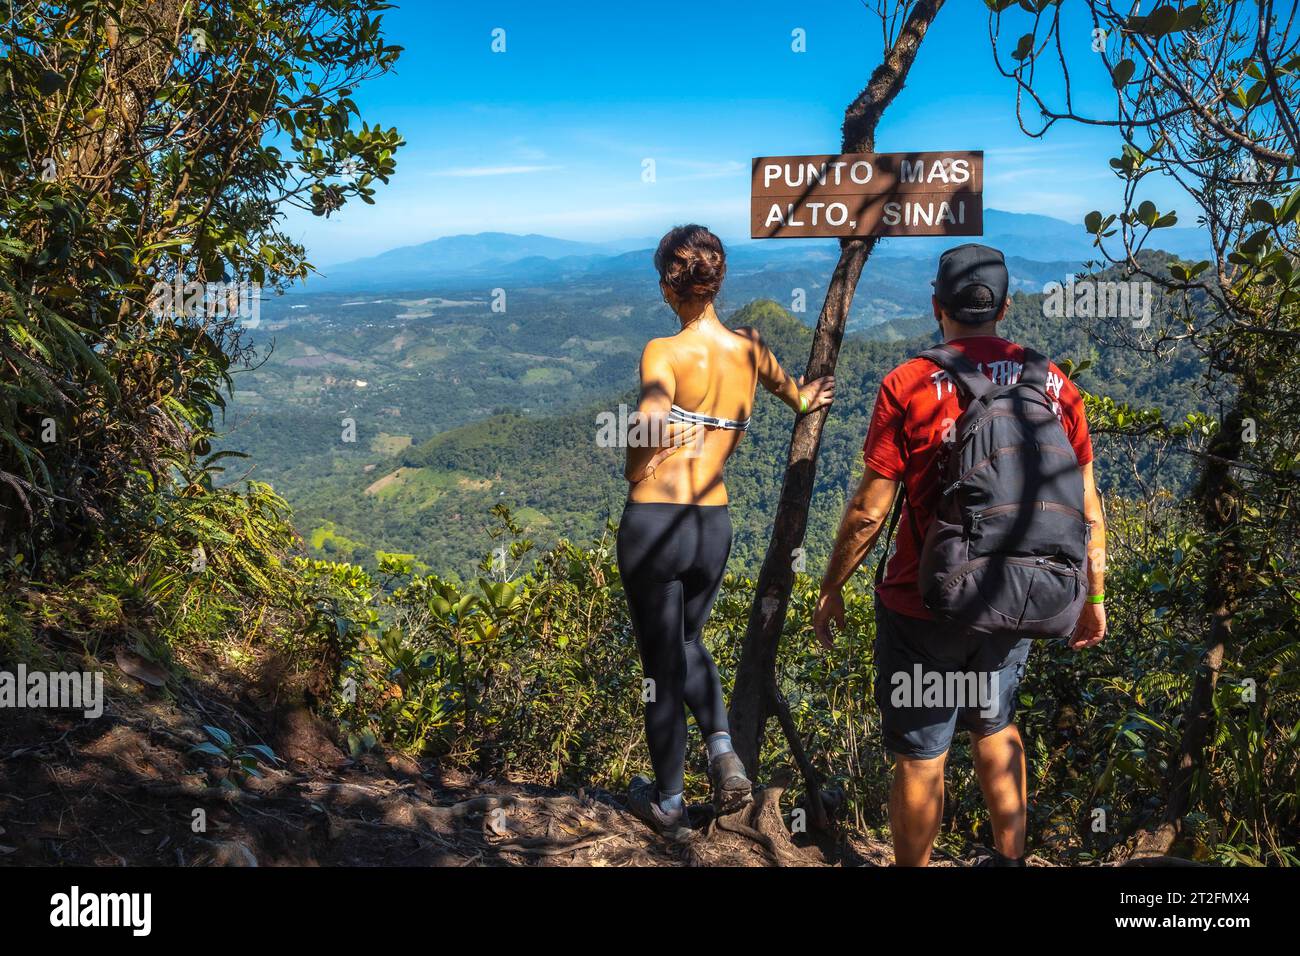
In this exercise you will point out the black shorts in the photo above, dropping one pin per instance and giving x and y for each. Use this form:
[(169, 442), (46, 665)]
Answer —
[(933, 678)]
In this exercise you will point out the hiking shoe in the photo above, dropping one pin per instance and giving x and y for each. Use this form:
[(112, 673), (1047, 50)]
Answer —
[(642, 800), (731, 788), (987, 856)]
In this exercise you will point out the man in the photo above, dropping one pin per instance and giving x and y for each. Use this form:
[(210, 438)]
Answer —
[(914, 413)]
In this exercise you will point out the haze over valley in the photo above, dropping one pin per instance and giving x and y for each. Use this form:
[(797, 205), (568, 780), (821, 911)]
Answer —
[(396, 400)]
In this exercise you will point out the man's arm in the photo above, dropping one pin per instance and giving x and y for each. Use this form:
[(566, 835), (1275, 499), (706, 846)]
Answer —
[(1092, 621), (865, 516)]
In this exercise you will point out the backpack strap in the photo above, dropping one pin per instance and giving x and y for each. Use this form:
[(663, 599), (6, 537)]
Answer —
[(974, 383), (889, 534), (900, 503), (1035, 369)]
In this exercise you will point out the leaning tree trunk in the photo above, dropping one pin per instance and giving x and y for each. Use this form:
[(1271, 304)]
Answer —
[(756, 696), (1218, 495)]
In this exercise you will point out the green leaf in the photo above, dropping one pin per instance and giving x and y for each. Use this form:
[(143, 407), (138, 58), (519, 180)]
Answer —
[(1261, 210), (264, 751), (1157, 23), (217, 734), (1254, 242), (1122, 73), (1290, 207)]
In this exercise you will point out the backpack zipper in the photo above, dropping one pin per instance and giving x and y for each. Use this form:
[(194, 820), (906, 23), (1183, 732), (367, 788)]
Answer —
[(1056, 567), (999, 452), (1037, 506)]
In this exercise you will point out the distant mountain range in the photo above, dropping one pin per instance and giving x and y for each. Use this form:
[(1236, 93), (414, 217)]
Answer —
[(507, 257), (453, 255)]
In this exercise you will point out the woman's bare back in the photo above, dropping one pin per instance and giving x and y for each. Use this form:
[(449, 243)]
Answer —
[(708, 369)]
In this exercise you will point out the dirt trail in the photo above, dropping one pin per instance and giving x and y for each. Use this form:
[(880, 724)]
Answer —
[(125, 789)]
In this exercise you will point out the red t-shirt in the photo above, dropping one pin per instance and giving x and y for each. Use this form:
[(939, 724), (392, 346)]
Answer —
[(916, 403)]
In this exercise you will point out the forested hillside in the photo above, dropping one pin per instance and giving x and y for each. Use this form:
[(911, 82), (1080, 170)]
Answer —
[(531, 336), (433, 500)]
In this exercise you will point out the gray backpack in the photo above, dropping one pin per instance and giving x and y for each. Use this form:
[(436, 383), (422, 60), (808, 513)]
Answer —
[(1007, 550)]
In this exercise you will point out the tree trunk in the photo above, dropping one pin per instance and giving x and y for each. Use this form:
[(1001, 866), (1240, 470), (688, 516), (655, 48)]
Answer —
[(756, 695), (1218, 495)]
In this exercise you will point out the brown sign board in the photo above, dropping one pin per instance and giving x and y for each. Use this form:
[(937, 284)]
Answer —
[(867, 194)]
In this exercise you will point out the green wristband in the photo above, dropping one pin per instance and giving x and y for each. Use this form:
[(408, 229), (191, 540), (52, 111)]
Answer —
[(803, 404), (1096, 598)]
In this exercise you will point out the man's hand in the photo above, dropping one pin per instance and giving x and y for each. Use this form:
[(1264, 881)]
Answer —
[(1091, 627), (864, 516), (830, 611)]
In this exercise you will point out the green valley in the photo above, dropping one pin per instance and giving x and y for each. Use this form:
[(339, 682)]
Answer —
[(439, 442)]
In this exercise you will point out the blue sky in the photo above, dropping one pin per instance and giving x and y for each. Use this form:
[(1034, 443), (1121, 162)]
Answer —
[(550, 135)]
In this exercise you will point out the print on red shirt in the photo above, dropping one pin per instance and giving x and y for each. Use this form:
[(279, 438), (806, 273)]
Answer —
[(917, 402)]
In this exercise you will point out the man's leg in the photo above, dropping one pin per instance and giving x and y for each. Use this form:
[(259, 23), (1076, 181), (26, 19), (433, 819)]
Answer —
[(915, 734), (1000, 766), (915, 808)]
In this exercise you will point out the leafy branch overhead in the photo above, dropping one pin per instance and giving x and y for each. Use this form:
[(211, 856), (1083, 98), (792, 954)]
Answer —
[(1205, 99), (146, 146)]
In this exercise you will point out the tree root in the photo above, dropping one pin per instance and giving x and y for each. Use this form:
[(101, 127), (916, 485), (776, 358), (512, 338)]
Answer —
[(1155, 859), (763, 824), (544, 846), (812, 779)]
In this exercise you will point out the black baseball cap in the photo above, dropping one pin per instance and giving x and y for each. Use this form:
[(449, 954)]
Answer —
[(968, 276)]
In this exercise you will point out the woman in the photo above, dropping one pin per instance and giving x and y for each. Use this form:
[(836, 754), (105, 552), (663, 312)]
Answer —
[(697, 392)]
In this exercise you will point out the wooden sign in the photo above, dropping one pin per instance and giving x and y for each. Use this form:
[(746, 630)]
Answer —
[(868, 194)]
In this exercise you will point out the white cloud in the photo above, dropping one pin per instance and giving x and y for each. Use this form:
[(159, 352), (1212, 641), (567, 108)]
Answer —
[(468, 172)]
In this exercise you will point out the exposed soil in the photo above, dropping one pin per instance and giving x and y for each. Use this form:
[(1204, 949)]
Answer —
[(125, 789)]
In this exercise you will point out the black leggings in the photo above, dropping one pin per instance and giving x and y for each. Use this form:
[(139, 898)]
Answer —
[(672, 558)]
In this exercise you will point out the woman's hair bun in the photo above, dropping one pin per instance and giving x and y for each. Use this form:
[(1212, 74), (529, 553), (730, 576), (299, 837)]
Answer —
[(691, 262)]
